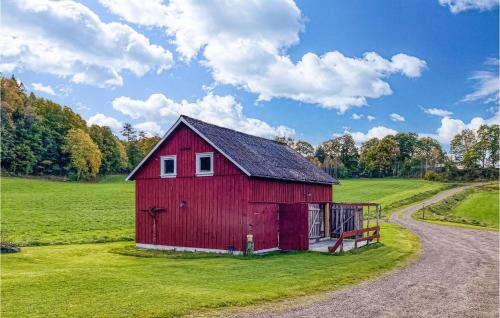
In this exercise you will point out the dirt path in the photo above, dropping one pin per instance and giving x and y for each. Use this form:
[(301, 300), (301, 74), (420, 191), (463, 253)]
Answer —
[(456, 276)]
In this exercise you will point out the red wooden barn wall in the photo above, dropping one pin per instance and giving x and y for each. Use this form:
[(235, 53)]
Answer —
[(215, 212), (221, 209), (266, 195)]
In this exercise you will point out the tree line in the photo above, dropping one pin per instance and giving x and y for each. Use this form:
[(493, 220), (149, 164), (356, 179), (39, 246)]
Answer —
[(43, 138), (473, 155), (40, 137)]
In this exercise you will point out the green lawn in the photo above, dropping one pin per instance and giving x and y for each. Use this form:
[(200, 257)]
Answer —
[(40, 212), (115, 280), (392, 193), (99, 280), (475, 207)]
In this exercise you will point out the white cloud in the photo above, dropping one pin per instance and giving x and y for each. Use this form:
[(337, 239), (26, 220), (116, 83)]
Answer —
[(244, 44), (67, 39), (487, 85), (219, 110), (103, 120), (370, 117), (356, 116), (147, 13), (375, 132), (396, 117), (457, 6), (150, 127), (450, 127), (47, 89), (437, 112)]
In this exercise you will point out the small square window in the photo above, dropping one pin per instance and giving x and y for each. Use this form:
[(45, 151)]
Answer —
[(205, 164), (168, 166)]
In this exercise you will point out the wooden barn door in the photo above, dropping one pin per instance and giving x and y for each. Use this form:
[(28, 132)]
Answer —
[(315, 221), (265, 226), (293, 226)]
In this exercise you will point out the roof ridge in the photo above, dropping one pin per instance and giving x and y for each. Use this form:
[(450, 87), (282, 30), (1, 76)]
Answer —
[(234, 130)]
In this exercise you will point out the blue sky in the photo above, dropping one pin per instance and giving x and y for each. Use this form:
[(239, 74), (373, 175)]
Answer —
[(311, 69)]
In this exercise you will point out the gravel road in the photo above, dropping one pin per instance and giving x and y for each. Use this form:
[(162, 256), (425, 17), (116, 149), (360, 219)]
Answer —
[(457, 275)]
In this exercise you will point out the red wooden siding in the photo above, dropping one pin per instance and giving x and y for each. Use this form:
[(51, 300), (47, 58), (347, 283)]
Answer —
[(184, 143), (217, 211), (214, 214), (274, 191), (293, 226)]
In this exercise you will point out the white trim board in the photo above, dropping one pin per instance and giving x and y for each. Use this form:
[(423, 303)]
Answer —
[(185, 249), (169, 132), (267, 250), (196, 249)]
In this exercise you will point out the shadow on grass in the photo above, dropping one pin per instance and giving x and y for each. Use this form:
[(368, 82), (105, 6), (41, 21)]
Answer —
[(134, 251)]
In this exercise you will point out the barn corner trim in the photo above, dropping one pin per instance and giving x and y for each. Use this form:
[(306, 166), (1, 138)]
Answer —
[(169, 132)]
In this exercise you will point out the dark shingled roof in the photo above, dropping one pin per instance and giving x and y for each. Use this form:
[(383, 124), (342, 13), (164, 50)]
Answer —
[(261, 157)]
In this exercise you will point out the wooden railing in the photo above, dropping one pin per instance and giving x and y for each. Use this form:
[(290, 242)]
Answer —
[(359, 237)]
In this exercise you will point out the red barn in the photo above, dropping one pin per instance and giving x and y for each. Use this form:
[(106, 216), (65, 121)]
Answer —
[(208, 188)]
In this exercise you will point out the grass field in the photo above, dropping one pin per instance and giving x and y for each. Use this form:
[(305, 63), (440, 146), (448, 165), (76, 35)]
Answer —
[(474, 208), (116, 280), (390, 192), (113, 280), (41, 212)]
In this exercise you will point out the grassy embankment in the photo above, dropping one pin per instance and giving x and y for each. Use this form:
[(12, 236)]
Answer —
[(113, 279), (475, 208), (392, 193)]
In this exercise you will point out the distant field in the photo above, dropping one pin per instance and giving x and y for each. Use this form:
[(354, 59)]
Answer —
[(390, 192), (41, 212), (478, 207), (112, 280)]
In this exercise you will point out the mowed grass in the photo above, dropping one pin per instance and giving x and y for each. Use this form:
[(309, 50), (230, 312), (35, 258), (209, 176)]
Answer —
[(476, 207), (110, 280), (392, 193), (41, 212)]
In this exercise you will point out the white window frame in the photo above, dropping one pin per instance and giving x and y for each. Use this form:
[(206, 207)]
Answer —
[(205, 155), (162, 167)]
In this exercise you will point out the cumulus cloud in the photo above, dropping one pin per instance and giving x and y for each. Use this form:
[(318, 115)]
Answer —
[(457, 6), (67, 39), (396, 117), (147, 13), (450, 127), (437, 112), (47, 89), (370, 117), (356, 116), (150, 127), (103, 120), (487, 85), (219, 110), (244, 44), (375, 132)]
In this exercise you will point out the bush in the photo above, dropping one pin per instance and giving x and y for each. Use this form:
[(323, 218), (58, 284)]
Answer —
[(433, 176)]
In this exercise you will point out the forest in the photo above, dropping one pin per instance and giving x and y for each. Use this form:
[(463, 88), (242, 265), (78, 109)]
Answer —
[(43, 138)]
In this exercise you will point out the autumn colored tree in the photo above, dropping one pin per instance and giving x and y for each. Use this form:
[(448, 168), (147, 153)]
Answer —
[(114, 158), (85, 156)]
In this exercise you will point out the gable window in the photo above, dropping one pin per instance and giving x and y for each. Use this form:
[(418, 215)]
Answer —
[(168, 166), (205, 164)]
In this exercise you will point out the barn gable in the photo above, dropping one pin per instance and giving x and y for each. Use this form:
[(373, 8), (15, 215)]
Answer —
[(254, 156)]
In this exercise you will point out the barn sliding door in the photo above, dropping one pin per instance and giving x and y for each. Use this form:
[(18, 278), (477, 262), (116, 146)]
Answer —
[(315, 221)]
